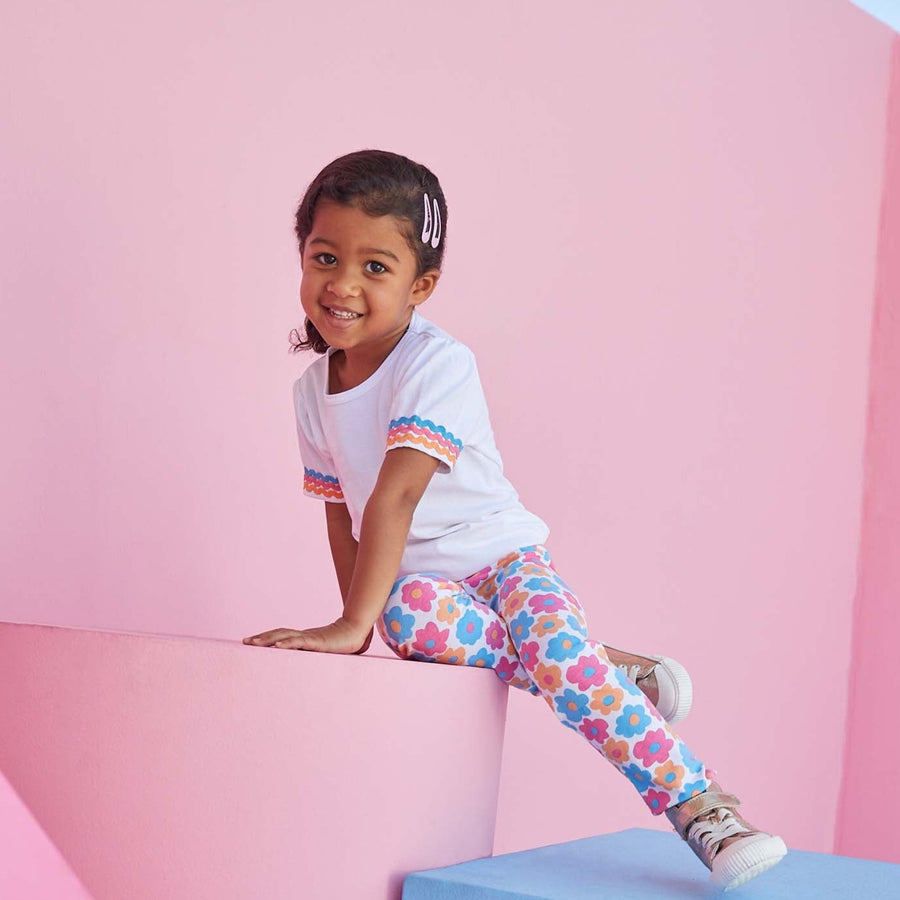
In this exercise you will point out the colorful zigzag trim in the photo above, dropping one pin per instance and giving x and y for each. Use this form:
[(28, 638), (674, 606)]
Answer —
[(319, 485), (411, 430)]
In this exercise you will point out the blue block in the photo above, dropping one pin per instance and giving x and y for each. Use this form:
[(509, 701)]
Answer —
[(639, 864)]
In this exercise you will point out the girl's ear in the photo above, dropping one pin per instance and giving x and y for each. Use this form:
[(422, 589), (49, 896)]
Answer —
[(423, 287)]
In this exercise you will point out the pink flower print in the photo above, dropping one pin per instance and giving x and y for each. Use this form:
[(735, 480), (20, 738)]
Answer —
[(505, 669), (448, 610), (430, 641), (513, 603), (656, 800), (669, 776), (654, 748), (476, 579), (495, 635), (508, 559), (548, 678), (529, 654), (595, 730), (588, 672), (616, 751), (418, 595), (545, 603), (607, 699), (509, 586)]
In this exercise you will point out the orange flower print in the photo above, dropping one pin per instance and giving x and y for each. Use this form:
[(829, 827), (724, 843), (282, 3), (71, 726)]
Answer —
[(607, 699), (548, 624), (453, 655), (547, 678), (448, 611), (514, 602), (486, 591), (616, 751), (668, 775)]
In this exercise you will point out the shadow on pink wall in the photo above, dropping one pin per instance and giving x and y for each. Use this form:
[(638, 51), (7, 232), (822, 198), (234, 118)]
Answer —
[(31, 866), (870, 793)]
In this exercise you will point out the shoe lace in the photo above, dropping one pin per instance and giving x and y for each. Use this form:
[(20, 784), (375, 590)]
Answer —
[(633, 672), (715, 826)]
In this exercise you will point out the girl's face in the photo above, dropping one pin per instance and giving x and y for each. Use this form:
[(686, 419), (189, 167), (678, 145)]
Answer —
[(359, 285)]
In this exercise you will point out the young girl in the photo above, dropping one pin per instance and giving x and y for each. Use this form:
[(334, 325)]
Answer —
[(430, 542)]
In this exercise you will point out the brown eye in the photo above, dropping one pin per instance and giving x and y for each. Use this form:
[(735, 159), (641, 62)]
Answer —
[(375, 267)]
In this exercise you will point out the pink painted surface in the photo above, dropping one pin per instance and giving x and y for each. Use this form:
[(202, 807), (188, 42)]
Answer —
[(182, 768), (871, 789), (31, 867), (662, 233)]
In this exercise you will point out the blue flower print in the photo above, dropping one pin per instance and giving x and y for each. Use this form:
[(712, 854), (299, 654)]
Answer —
[(542, 585), (639, 777), (564, 646), (483, 658), (399, 625), (520, 627), (692, 764), (690, 789), (469, 627), (575, 625), (632, 721), (572, 705)]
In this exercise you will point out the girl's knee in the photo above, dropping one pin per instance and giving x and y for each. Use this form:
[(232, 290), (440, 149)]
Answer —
[(419, 592), (413, 602)]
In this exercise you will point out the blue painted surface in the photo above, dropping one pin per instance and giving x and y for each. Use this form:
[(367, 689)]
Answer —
[(887, 11), (640, 864)]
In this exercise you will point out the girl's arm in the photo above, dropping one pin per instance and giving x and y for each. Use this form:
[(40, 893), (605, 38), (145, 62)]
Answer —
[(404, 475), (343, 544), (343, 551)]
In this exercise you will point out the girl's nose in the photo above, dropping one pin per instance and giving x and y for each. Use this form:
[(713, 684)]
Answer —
[(343, 285)]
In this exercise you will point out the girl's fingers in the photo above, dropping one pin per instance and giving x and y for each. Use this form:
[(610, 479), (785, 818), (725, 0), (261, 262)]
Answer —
[(298, 641), (268, 638)]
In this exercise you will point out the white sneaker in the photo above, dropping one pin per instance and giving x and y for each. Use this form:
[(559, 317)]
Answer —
[(664, 681), (724, 841)]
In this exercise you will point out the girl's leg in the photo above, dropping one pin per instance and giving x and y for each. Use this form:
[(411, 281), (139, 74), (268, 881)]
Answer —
[(578, 682), (431, 619)]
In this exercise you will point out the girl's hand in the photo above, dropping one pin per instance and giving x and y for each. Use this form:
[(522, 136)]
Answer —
[(338, 637)]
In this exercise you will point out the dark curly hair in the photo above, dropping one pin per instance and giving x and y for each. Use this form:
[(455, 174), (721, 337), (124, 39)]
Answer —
[(379, 183)]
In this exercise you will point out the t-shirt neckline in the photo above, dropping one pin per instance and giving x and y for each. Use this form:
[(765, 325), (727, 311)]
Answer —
[(364, 386)]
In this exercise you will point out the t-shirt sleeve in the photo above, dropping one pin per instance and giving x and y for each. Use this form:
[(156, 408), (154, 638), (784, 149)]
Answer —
[(435, 402), (320, 480)]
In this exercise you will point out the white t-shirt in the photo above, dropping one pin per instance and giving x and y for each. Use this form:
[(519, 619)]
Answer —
[(425, 395)]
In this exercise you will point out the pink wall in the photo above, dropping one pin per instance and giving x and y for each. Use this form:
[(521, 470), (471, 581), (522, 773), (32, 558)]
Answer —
[(662, 234), (869, 787)]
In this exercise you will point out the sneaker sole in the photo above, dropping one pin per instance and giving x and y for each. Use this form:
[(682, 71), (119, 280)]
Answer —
[(737, 864), (676, 691)]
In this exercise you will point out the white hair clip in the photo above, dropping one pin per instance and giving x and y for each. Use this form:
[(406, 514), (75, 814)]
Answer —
[(431, 229)]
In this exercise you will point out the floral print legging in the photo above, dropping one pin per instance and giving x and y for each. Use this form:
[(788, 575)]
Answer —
[(519, 618)]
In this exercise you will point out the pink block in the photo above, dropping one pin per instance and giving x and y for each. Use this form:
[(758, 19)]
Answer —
[(31, 868), (176, 767)]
